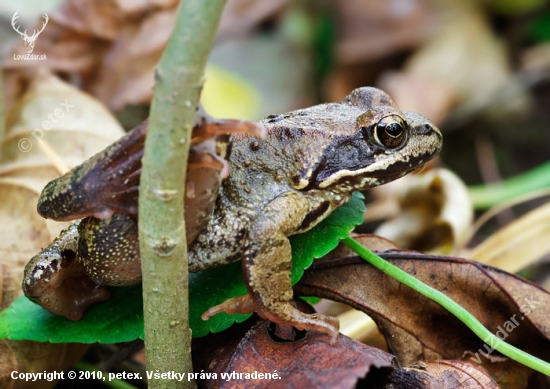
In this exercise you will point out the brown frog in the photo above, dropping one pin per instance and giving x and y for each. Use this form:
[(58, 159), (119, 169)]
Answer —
[(310, 163)]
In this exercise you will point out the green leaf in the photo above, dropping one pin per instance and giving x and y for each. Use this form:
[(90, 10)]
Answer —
[(324, 237), (118, 320), (212, 287), (121, 318)]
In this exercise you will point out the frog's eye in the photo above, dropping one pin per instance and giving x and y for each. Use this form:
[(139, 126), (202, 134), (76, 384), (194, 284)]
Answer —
[(390, 131)]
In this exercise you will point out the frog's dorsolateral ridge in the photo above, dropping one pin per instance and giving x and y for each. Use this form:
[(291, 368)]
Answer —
[(309, 164)]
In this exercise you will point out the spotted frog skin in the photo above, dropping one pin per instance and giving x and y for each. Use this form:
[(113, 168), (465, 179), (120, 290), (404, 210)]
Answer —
[(310, 163)]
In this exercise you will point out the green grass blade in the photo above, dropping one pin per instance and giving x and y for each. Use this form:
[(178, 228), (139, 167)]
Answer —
[(487, 196)]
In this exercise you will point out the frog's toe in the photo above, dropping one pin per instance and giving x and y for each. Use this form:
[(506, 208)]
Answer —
[(307, 322), (242, 304), (211, 128), (210, 161)]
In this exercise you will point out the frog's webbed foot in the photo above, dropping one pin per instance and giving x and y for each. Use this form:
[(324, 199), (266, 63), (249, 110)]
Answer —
[(267, 270), (207, 166), (210, 140), (106, 183), (302, 321), (198, 160)]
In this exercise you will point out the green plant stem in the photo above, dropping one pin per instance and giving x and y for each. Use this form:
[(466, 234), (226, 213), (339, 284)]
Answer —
[(178, 81), (2, 108), (114, 383), (487, 196), (464, 316)]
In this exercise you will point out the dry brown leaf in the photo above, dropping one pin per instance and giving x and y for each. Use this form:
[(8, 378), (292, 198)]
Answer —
[(353, 323), (417, 328), (519, 244), (110, 48), (125, 74), (369, 30), (468, 59), (83, 130), (86, 128), (9, 288), (442, 374), (30, 119), (308, 362), (8, 364)]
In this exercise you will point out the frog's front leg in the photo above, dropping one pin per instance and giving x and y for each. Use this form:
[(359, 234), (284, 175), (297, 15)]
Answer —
[(267, 262)]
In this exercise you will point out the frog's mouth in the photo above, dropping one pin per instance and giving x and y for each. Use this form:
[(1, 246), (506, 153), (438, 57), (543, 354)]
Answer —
[(375, 174), (401, 168), (60, 285)]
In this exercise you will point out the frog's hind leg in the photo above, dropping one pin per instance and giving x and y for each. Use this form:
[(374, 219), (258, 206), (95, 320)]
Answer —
[(267, 270)]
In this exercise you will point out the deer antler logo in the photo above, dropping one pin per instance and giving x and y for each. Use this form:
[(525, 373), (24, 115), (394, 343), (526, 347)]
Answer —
[(29, 40)]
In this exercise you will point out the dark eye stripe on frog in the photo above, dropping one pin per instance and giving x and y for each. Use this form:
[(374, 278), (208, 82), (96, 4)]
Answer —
[(343, 154)]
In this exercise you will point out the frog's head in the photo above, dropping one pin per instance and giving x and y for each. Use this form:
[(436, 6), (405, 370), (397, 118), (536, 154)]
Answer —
[(386, 144), (56, 280)]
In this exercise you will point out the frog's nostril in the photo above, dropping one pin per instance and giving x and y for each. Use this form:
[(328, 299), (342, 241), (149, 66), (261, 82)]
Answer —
[(425, 128)]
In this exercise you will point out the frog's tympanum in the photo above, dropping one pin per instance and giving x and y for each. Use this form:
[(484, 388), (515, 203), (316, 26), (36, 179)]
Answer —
[(309, 164)]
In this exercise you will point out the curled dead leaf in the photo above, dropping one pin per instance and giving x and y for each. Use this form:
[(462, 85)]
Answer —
[(436, 212), (238, 356)]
